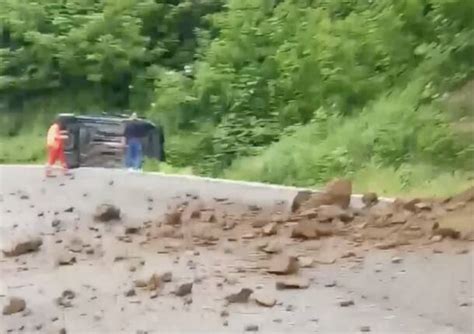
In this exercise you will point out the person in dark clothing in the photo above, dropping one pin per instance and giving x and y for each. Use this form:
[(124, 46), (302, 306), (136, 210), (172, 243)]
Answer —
[(135, 130), (161, 140)]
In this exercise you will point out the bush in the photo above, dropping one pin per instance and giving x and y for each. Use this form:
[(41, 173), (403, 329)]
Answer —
[(391, 132)]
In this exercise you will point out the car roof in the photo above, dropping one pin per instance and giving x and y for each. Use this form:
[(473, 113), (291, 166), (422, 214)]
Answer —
[(103, 118)]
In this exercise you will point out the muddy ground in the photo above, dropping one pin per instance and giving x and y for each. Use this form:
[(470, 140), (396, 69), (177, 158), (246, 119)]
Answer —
[(187, 264)]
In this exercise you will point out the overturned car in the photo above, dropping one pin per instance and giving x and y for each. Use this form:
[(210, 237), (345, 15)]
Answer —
[(95, 141)]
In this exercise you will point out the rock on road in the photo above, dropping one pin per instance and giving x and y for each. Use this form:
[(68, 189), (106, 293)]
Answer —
[(403, 290)]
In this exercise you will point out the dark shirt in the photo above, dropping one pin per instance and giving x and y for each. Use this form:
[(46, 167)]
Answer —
[(136, 129)]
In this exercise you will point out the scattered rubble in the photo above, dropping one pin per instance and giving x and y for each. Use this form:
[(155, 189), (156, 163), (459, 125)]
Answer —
[(445, 232), (314, 216)]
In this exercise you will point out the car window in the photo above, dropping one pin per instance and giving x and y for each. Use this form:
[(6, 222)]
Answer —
[(70, 141), (84, 136)]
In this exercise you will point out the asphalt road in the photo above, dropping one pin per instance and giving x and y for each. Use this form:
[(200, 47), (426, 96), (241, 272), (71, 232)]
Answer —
[(421, 294)]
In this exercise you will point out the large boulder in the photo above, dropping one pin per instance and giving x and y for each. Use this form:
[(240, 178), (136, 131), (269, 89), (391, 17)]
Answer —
[(15, 305), (337, 192)]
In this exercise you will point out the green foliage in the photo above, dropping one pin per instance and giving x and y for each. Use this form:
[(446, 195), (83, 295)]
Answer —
[(391, 132), (107, 45), (26, 148), (273, 65), (411, 180)]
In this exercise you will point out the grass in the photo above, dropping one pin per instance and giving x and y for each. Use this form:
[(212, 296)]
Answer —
[(407, 181), (26, 148), (411, 181), (394, 146)]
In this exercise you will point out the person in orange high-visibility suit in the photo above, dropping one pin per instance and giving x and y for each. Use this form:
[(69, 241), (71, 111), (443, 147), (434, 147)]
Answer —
[(55, 145)]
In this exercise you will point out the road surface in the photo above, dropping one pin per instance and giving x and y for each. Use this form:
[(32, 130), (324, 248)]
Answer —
[(425, 292)]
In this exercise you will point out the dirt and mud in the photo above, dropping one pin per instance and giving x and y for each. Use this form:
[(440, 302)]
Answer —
[(75, 262)]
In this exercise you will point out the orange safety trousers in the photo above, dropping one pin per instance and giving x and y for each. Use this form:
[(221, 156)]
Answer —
[(56, 154), (55, 146)]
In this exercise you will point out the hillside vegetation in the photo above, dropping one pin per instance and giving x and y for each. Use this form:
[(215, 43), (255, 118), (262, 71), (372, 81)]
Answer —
[(284, 91)]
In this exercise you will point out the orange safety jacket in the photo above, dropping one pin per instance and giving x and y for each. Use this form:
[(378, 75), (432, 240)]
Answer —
[(54, 139)]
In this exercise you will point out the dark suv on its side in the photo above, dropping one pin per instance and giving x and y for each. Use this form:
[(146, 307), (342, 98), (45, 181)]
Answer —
[(94, 141)]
